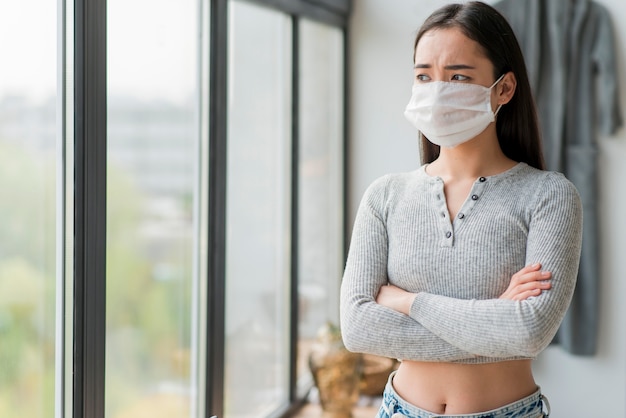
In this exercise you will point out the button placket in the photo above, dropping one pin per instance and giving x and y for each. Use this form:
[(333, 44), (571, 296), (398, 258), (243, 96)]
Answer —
[(475, 195), (445, 224)]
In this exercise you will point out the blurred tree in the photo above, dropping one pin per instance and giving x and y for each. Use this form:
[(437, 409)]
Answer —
[(27, 281), (147, 338)]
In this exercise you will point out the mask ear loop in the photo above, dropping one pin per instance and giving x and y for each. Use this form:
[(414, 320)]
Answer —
[(497, 81), (492, 86)]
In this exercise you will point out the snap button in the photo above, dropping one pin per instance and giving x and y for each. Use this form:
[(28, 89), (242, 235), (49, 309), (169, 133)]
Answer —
[(474, 197), (482, 179)]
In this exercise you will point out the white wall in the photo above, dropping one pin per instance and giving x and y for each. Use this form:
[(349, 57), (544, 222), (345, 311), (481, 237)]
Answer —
[(381, 141)]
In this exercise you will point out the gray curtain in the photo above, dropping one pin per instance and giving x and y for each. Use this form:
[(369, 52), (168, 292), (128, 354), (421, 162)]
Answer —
[(569, 50)]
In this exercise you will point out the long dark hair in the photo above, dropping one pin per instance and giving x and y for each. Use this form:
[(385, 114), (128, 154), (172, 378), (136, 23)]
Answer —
[(517, 126)]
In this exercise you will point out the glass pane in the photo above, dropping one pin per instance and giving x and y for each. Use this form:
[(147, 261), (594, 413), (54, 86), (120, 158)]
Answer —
[(28, 175), (153, 73), (320, 229), (258, 211)]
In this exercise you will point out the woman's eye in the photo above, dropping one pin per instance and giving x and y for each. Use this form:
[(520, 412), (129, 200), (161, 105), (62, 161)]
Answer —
[(459, 77), (422, 77)]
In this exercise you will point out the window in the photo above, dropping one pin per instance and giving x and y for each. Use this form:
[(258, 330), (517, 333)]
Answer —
[(152, 193), (172, 178), (258, 211), (28, 211), (320, 229)]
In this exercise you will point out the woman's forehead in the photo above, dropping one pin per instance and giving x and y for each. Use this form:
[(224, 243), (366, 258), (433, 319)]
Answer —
[(447, 45)]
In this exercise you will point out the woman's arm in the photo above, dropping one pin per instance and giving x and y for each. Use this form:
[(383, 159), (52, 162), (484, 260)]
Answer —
[(529, 281), (506, 328), (366, 326)]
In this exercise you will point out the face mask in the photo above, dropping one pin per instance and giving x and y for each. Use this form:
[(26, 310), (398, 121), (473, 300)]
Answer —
[(449, 114)]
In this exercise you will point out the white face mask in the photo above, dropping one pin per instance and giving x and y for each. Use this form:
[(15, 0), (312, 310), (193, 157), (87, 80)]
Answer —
[(449, 114)]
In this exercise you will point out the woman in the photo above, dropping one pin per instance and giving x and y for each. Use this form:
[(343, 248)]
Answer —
[(464, 268)]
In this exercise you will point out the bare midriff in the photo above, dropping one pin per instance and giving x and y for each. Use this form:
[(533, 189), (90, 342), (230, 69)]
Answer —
[(453, 388)]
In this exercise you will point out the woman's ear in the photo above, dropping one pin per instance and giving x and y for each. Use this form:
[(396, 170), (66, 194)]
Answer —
[(506, 88)]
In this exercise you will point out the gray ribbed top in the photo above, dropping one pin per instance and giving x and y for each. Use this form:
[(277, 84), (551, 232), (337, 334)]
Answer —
[(403, 235)]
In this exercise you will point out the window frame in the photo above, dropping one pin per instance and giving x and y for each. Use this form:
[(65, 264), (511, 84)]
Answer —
[(90, 181)]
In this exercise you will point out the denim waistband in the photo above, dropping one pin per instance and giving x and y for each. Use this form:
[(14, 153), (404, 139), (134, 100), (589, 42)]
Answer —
[(396, 407)]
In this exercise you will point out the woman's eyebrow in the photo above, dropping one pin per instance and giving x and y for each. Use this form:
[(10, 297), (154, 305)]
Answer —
[(459, 67)]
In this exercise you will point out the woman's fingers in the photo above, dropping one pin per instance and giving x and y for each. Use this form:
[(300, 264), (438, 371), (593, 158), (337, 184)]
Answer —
[(535, 285), (529, 281), (529, 268), (531, 273)]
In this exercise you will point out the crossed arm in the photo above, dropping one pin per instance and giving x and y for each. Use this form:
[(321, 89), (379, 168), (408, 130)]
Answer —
[(529, 281)]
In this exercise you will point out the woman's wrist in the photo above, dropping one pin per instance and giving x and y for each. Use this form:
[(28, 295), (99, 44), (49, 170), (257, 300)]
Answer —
[(409, 300)]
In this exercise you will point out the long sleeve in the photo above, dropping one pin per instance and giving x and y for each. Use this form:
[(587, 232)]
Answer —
[(502, 328), (366, 326)]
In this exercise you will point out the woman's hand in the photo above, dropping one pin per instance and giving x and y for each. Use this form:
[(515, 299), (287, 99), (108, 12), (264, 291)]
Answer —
[(395, 298), (529, 281)]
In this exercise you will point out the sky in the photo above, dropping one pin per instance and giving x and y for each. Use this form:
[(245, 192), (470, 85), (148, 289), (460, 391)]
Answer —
[(28, 48)]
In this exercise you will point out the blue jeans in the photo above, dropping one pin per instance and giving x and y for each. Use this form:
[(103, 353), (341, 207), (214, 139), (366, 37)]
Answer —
[(530, 407)]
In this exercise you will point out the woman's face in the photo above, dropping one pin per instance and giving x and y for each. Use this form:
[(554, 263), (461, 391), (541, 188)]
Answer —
[(448, 55)]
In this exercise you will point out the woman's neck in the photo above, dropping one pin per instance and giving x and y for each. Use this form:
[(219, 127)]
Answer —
[(481, 156)]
